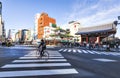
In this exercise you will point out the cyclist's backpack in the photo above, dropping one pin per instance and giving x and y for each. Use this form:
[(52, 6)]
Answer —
[(44, 45)]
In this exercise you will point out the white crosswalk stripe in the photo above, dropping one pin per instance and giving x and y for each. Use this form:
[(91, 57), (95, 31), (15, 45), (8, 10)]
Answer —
[(69, 50), (84, 51), (65, 50), (37, 60), (74, 51), (37, 57), (60, 49), (55, 63), (35, 65), (96, 52), (79, 51), (89, 52), (37, 72)]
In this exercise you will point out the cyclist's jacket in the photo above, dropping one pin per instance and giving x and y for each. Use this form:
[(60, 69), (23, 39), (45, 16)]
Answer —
[(43, 44)]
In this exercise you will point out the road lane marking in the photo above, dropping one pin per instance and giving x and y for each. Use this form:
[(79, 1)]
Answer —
[(37, 72), (90, 52), (105, 53), (96, 52), (37, 57), (65, 50), (60, 49), (35, 65), (84, 51), (74, 51), (79, 51), (105, 60), (69, 50), (54, 55), (49, 60)]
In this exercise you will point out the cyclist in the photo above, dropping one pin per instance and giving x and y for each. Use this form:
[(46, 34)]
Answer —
[(42, 47)]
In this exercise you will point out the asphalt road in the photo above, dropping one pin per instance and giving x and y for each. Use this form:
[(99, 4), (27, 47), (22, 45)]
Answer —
[(21, 62), (102, 65)]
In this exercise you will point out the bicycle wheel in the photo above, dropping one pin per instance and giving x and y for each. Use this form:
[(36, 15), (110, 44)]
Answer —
[(38, 54), (45, 55)]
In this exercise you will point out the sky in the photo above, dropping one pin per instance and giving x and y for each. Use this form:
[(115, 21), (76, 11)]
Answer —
[(20, 14)]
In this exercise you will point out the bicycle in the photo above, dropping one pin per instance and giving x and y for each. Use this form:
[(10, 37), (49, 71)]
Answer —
[(44, 56)]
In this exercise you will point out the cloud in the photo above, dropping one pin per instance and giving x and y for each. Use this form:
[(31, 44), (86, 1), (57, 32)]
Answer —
[(102, 16), (94, 13)]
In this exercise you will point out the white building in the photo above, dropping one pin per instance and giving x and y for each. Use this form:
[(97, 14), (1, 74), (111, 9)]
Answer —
[(74, 27), (48, 30), (36, 25)]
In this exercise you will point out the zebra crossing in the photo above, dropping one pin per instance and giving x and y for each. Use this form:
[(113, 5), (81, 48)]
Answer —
[(29, 65), (89, 52), (18, 47)]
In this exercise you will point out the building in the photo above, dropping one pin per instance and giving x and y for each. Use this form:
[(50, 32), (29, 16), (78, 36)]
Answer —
[(2, 30), (96, 34), (17, 37), (36, 26), (11, 34), (43, 21), (74, 26), (24, 35), (48, 30)]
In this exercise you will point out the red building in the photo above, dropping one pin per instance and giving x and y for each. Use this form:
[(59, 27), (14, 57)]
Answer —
[(43, 21)]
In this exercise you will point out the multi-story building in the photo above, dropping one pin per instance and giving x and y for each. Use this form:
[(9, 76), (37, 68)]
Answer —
[(36, 26), (1, 21), (2, 30), (48, 30), (11, 34), (17, 36), (43, 21), (74, 27), (24, 35)]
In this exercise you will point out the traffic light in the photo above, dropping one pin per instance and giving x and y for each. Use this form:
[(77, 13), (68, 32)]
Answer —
[(116, 22)]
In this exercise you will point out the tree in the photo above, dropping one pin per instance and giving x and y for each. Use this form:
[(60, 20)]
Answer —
[(54, 25)]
